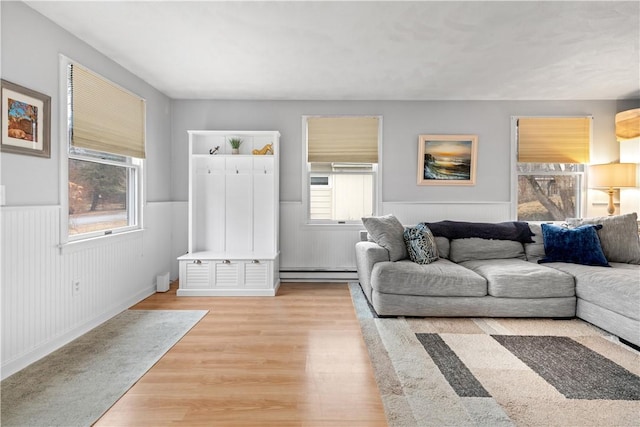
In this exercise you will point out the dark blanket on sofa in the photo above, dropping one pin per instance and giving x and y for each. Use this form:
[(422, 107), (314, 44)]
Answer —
[(511, 230)]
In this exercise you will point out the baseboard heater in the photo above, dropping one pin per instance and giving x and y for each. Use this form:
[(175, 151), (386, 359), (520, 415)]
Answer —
[(300, 275)]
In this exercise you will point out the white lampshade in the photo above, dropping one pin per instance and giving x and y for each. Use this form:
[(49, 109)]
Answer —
[(612, 175)]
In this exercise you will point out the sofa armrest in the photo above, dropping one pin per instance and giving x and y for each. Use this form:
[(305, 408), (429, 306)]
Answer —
[(367, 255)]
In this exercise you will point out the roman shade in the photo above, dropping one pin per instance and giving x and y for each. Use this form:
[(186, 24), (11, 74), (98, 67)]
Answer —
[(554, 139), (342, 139), (105, 117)]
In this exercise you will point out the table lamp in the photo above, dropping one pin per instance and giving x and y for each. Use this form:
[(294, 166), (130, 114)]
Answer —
[(610, 176)]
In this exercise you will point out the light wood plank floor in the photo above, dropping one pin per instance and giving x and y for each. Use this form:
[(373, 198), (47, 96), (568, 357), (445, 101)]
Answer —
[(294, 360)]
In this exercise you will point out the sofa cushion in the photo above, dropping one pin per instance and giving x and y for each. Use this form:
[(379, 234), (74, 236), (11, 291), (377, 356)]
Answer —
[(421, 244), (535, 251), (440, 278), (575, 245), (443, 246), (516, 278), (387, 232), (618, 236), (477, 248), (616, 289)]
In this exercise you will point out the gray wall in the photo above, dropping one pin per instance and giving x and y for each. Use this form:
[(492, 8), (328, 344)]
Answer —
[(402, 123), (30, 58), (39, 312), (115, 276), (33, 62)]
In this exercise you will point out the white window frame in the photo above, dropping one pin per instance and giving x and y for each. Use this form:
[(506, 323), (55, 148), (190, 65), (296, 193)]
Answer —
[(581, 198), (329, 177), (135, 167), (306, 187)]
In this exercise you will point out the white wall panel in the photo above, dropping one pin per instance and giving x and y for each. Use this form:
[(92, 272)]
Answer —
[(317, 247), (331, 247), (179, 234), (39, 310)]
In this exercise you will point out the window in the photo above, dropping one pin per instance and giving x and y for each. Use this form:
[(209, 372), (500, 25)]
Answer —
[(342, 168), (105, 151), (551, 157)]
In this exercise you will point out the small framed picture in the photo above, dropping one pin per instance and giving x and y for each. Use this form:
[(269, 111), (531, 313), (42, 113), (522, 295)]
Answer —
[(447, 159), (26, 121)]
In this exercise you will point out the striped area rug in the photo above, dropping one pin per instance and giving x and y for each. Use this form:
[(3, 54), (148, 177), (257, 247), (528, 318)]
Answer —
[(500, 372)]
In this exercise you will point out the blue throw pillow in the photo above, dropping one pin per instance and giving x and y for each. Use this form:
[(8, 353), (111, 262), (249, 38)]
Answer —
[(421, 244), (579, 245)]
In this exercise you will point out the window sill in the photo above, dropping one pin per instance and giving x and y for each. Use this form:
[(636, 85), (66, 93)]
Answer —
[(92, 242)]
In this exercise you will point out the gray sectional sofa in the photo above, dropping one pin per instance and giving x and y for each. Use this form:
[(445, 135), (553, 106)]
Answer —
[(482, 277)]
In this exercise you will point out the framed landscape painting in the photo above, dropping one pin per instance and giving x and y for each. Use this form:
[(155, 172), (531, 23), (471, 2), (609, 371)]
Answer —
[(447, 159), (26, 116)]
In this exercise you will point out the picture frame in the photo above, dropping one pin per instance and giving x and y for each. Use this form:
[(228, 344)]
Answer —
[(447, 159), (26, 121)]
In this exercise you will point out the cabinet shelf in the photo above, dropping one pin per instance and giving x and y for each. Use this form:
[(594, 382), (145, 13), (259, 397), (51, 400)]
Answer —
[(206, 156)]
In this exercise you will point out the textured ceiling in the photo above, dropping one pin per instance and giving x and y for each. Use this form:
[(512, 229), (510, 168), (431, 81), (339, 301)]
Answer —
[(367, 50)]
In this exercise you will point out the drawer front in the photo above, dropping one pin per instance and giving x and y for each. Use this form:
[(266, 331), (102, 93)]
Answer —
[(227, 274), (197, 275), (257, 274)]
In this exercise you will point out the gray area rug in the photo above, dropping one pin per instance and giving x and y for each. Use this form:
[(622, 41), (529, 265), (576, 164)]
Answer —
[(461, 372), (78, 383)]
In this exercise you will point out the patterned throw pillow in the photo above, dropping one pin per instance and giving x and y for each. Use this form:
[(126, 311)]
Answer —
[(421, 244)]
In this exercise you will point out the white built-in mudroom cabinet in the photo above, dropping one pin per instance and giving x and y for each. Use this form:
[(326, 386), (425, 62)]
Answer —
[(233, 215)]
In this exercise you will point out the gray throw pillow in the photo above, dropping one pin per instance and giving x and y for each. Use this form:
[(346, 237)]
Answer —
[(618, 236), (443, 246), (535, 251), (387, 232)]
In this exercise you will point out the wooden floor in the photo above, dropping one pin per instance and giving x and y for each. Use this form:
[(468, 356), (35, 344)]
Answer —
[(297, 359)]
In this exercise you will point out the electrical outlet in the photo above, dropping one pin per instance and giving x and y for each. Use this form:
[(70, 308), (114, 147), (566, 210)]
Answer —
[(75, 287)]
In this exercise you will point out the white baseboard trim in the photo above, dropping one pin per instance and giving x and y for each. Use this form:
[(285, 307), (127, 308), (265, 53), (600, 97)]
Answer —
[(13, 366)]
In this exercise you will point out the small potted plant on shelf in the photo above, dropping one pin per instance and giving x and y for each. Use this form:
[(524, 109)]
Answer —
[(235, 145)]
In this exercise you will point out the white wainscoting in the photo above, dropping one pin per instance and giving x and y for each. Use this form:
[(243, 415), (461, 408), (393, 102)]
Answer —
[(317, 248), (39, 311), (179, 234), (326, 252), (40, 314)]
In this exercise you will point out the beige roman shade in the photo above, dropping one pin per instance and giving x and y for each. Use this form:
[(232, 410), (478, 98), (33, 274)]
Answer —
[(106, 117), (554, 139), (342, 139)]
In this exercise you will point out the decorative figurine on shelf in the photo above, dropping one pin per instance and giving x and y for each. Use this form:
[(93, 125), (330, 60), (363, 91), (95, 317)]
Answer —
[(235, 145), (267, 149), (214, 150)]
